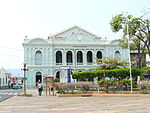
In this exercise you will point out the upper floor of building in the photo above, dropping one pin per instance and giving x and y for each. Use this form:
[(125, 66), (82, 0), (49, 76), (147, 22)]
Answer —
[(74, 46)]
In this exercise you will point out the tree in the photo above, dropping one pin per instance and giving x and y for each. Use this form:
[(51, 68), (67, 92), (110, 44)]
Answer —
[(111, 63), (138, 29), (135, 45)]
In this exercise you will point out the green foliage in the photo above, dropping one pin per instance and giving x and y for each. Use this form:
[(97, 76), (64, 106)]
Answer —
[(125, 81), (25, 95), (84, 75), (107, 82), (56, 80), (145, 70), (138, 29), (114, 84), (116, 22), (115, 73), (135, 72), (110, 63)]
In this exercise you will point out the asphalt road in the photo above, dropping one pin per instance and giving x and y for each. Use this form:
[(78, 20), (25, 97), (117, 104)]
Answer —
[(8, 93)]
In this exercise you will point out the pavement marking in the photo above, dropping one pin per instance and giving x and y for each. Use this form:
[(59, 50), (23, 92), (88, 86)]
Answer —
[(10, 93), (5, 93), (15, 93)]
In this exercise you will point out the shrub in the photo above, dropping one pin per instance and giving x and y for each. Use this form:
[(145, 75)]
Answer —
[(145, 85), (61, 87), (122, 73), (145, 70), (56, 80), (66, 87), (85, 86)]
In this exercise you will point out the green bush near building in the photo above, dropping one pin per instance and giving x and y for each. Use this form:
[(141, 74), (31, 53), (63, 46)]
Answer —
[(123, 73)]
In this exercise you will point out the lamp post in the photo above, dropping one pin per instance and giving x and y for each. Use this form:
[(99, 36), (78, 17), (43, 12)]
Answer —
[(129, 58), (24, 69)]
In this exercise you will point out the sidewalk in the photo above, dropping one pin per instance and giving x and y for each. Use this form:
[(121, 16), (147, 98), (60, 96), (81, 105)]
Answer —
[(54, 104)]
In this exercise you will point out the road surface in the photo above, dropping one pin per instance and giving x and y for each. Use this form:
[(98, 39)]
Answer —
[(8, 93)]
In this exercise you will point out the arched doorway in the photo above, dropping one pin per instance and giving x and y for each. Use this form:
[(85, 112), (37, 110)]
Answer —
[(57, 79), (38, 77), (58, 74)]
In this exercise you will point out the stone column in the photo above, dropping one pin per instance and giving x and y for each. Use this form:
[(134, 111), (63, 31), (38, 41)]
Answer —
[(26, 55), (64, 57), (74, 58), (50, 57), (43, 59), (32, 59), (84, 57), (46, 57), (94, 57)]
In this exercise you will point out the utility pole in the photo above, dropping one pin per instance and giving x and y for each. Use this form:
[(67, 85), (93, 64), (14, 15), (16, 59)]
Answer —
[(24, 69), (129, 58)]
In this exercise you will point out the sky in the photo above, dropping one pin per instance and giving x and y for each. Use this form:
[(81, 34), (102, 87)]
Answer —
[(41, 18)]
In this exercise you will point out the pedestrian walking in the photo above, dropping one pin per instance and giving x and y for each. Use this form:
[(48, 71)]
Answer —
[(40, 88)]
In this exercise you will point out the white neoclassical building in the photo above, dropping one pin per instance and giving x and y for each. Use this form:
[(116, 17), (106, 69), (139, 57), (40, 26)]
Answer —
[(74, 47), (5, 78)]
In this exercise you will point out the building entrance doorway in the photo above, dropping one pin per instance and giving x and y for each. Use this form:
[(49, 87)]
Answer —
[(58, 74), (38, 77)]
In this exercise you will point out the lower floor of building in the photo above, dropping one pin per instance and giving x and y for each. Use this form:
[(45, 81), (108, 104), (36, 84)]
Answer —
[(34, 75)]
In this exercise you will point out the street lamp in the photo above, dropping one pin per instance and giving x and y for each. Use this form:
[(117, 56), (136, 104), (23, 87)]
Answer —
[(24, 69), (129, 58)]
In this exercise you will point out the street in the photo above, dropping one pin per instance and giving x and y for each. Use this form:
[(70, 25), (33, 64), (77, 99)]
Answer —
[(8, 93)]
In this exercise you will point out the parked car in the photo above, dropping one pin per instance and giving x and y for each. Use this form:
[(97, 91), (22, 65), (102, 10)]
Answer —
[(17, 87)]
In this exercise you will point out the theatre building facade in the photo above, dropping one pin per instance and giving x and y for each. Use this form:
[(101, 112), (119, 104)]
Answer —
[(75, 48)]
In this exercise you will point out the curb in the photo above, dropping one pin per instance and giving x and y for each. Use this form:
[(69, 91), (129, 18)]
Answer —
[(103, 95)]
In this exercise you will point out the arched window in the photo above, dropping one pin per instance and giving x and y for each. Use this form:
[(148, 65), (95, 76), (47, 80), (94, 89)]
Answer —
[(58, 57), (117, 54), (89, 57), (79, 57), (38, 58), (69, 57), (38, 77), (99, 55)]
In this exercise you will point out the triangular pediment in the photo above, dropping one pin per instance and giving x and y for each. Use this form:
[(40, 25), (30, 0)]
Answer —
[(76, 33)]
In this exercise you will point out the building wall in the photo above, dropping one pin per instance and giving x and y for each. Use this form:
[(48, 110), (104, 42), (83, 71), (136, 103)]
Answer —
[(74, 39), (4, 78)]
